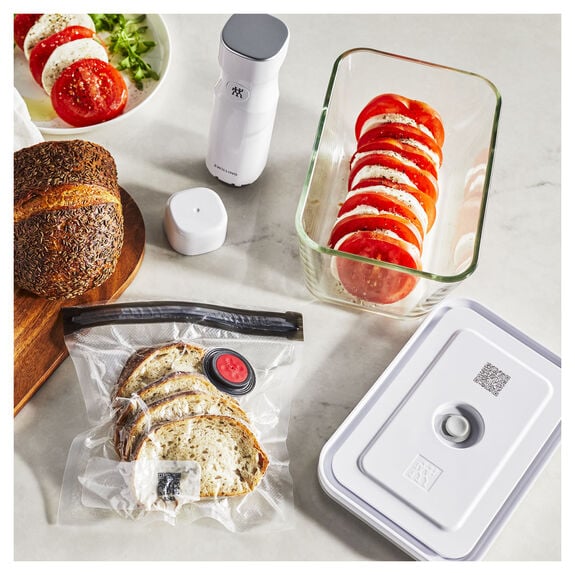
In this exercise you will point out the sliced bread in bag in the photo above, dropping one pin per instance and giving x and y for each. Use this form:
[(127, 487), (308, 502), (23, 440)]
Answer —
[(231, 459), (151, 363), (129, 409), (177, 406)]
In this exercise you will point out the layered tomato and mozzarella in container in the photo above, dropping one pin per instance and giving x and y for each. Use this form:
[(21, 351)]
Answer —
[(392, 195), (71, 63)]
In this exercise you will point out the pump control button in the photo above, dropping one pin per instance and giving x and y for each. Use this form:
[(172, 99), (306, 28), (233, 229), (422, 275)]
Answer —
[(456, 428)]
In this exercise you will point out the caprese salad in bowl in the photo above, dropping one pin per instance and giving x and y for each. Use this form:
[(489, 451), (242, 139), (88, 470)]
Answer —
[(78, 71)]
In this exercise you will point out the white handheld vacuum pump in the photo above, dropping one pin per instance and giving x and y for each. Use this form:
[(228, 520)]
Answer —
[(252, 50)]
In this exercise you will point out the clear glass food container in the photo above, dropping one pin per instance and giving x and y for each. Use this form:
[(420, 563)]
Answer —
[(469, 106)]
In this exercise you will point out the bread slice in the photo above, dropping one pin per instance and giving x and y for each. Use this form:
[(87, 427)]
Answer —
[(169, 384), (232, 461), (177, 406), (177, 382), (149, 364)]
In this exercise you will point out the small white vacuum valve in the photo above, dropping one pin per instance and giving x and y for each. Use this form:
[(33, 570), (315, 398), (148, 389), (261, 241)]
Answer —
[(195, 221), (456, 427)]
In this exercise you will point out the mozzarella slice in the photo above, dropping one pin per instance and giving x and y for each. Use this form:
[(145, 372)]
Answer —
[(376, 171), (374, 121), (358, 155), (403, 197), (409, 247), (363, 210), (67, 54), (49, 24), (430, 154)]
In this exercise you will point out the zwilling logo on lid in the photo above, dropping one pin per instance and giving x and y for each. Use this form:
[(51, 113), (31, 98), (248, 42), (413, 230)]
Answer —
[(422, 472)]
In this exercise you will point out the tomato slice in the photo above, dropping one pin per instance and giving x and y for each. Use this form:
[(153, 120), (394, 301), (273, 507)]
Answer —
[(403, 149), (89, 91), (41, 52), (23, 23), (404, 132), (395, 223), (419, 112), (378, 185), (389, 200), (382, 166), (370, 282)]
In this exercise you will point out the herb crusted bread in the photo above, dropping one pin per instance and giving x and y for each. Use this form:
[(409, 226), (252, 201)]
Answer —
[(68, 218)]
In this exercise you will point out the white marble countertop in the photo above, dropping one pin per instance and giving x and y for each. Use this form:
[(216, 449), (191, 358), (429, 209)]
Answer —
[(162, 149)]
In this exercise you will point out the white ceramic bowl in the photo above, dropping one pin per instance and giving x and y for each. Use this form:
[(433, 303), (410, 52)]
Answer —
[(40, 107)]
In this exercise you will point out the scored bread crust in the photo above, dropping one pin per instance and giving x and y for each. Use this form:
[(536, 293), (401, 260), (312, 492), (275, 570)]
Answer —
[(68, 219), (66, 196), (41, 168), (151, 363), (176, 406), (231, 459)]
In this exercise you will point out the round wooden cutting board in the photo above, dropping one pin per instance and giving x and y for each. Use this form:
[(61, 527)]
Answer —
[(39, 346)]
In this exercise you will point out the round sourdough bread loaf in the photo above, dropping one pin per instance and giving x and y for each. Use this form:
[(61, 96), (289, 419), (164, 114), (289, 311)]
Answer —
[(68, 221)]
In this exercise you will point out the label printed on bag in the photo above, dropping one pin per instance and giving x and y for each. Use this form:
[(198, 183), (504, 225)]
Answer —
[(168, 485), (159, 482)]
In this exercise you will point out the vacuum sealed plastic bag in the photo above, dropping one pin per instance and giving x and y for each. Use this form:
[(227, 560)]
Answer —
[(188, 410)]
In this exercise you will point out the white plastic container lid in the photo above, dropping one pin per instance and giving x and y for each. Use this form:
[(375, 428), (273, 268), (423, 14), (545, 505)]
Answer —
[(438, 453)]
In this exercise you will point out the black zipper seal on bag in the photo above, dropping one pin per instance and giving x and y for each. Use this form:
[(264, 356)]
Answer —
[(250, 322)]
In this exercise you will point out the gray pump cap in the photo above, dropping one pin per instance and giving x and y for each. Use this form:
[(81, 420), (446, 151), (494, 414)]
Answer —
[(255, 36)]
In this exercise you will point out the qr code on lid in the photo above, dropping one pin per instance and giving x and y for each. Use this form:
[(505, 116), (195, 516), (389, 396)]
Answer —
[(492, 378)]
